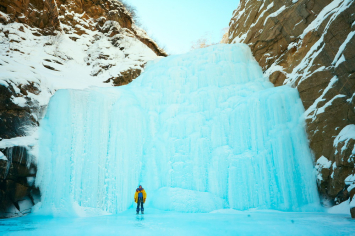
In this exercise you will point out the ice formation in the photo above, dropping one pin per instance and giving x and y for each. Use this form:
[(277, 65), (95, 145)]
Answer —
[(200, 131)]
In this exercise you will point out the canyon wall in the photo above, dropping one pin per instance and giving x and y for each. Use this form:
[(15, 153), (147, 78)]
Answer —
[(310, 45)]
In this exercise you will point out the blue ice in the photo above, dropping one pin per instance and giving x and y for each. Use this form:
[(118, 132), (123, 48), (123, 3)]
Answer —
[(156, 222), (200, 131)]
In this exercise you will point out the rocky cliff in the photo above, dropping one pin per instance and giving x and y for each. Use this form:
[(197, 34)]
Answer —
[(310, 45), (46, 45)]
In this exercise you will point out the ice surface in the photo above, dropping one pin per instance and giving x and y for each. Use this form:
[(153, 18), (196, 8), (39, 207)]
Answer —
[(153, 222), (204, 125)]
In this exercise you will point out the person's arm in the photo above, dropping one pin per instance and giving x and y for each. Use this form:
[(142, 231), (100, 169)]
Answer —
[(136, 196), (144, 196)]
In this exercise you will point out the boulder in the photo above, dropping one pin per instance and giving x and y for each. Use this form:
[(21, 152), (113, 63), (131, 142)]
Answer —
[(17, 175), (125, 77)]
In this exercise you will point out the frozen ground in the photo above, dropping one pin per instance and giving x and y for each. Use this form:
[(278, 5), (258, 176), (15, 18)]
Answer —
[(154, 222)]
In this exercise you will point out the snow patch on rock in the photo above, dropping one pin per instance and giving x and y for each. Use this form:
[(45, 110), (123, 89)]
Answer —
[(322, 163), (347, 133), (342, 208), (3, 157)]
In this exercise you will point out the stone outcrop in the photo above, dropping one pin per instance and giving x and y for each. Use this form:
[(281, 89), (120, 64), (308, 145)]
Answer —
[(46, 15), (125, 77), (17, 175), (41, 14), (102, 15), (310, 45), (15, 118), (36, 39)]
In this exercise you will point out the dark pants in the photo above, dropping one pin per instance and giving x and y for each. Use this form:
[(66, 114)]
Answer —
[(140, 203)]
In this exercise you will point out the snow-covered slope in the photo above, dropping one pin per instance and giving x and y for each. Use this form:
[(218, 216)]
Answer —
[(310, 45), (201, 131), (50, 45)]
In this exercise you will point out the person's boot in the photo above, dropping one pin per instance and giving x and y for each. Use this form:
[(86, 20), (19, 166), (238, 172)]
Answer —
[(142, 211)]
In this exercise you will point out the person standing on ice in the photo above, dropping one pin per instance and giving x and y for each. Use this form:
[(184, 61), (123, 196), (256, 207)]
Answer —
[(139, 198)]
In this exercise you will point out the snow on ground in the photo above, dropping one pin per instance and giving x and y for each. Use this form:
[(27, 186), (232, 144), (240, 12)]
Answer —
[(342, 208), (155, 222)]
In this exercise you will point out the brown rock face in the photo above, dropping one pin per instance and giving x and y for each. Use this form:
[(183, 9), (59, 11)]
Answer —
[(17, 182), (48, 14), (16, 118), (100, 15), (352, 212), (126, 77), (310, 45), (42, 14)]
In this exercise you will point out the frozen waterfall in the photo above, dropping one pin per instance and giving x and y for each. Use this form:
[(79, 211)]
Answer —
[(200, 131)]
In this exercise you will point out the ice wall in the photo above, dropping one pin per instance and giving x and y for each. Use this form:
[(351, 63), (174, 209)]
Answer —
[(200, 131)]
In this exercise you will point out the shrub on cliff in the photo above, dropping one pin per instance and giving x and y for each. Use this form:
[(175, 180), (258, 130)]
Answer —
[(133, 11)]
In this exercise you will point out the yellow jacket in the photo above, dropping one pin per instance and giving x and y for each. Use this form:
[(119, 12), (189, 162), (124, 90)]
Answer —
[(140, 191)]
